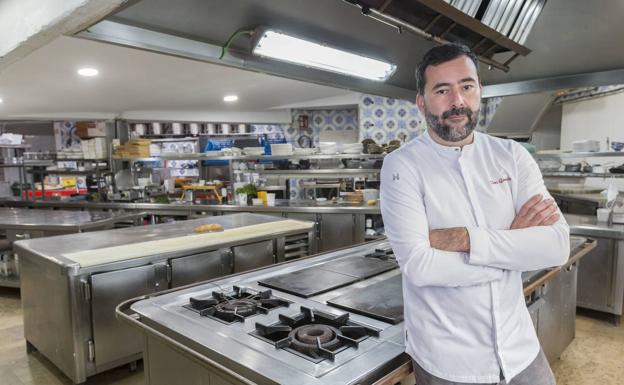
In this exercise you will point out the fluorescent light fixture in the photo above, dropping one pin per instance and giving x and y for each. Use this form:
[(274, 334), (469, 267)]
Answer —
[(292, 49), (0, 100), (88, 72), (230, 98)]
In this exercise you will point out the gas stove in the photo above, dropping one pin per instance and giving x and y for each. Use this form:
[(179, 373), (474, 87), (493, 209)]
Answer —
[(280, 336)]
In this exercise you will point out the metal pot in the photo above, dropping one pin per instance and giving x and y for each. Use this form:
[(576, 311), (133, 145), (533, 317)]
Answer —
[(226, 128), (572, 167), (194, 128), (157, 128), (176, 128), (211, 128), (139, 129), (242, 128)]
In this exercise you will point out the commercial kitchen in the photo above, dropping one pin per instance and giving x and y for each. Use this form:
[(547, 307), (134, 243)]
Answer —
[(190, 190)]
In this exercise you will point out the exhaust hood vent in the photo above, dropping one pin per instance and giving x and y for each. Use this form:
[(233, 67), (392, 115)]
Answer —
[(489, 27)]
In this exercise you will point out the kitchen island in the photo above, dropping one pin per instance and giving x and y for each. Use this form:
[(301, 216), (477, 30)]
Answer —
[(334, 318)]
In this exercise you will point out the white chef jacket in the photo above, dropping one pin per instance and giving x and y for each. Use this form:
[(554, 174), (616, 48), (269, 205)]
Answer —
[(465, 315)]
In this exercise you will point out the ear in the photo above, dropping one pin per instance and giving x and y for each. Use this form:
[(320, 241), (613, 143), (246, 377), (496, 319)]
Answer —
[(420, 102)]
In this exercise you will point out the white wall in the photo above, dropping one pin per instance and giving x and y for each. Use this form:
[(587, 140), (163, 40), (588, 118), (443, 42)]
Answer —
[(547, 134), (595, 119)]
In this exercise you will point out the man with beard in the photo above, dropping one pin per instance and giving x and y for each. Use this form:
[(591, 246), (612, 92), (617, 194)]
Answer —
[(466, 214)]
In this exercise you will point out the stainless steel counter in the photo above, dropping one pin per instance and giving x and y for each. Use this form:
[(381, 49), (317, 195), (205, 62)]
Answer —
[(58, 220), (601, 273), (587, 225), (23, 223), (69, 310), (282, 205)]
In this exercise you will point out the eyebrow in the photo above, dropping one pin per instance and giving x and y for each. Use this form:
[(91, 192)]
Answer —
[(464, 80)]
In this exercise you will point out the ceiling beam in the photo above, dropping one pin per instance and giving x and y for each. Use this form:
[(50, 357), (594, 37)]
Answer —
[(594, 79), (168, 44)]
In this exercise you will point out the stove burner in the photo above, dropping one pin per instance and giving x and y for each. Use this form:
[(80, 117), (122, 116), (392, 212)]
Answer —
[(308, 339), (314, 335), (235, 306)]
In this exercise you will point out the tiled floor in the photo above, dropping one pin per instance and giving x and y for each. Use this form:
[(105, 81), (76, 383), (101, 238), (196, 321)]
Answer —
[(596, 356)]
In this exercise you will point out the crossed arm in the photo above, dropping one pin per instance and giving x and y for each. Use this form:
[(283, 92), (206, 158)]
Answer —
[(535, 212)]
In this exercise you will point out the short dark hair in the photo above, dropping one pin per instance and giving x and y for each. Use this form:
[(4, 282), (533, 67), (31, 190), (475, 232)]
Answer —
[(438, 55)]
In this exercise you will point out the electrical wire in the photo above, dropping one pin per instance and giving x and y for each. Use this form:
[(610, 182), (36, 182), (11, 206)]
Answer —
[(226, 46)]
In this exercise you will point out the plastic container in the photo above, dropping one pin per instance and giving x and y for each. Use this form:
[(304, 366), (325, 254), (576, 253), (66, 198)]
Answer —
[(270, 199)]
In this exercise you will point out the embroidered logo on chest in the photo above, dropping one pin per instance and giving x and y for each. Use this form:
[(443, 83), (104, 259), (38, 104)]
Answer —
[(501, 180)]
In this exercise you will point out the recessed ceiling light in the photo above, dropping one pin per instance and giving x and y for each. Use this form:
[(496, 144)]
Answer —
[(88, 72), (230, 98)]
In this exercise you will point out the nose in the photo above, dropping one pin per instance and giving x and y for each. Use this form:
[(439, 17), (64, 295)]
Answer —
[(457, 100)]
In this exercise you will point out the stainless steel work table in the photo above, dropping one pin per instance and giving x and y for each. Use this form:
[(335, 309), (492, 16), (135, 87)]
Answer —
[(601, 274), (69, 302), (22, 223), (336, 225)]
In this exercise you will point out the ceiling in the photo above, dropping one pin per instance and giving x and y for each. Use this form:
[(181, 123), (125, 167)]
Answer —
[(45, 83), (570, 36)]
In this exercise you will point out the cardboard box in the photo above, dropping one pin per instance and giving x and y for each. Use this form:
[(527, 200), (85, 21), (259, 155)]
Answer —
[(86, 130)]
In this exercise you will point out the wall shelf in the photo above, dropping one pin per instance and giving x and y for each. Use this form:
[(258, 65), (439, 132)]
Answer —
[(572, 155)]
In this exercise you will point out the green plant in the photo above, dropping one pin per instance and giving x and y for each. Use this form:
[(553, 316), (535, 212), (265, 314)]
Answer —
[(249, 189)]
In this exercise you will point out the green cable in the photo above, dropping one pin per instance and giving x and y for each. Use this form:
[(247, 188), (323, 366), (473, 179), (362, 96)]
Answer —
[(233, 36)]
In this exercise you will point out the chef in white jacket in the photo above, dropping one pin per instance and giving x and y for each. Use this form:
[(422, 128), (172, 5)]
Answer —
[(466, 213)]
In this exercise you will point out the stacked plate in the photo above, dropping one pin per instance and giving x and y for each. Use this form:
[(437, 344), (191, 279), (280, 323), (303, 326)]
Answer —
[(586, 146), (328, 147), (255, 151), (281, 149), (352, 148)]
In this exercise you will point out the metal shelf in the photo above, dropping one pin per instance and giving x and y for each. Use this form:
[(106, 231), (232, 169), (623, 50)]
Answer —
[(580, 174), (73, 172), (579, 155), (202, 156), (19, 146), (319, 173)]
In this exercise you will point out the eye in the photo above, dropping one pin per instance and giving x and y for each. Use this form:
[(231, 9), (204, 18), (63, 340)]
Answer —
[(442, 91), (468, 87)]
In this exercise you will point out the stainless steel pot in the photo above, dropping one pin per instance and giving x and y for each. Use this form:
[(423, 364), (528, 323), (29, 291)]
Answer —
[(140, 129), (241, 128), (176, 128), (194, 128), (156, 128), (226, 128), (211, 128)]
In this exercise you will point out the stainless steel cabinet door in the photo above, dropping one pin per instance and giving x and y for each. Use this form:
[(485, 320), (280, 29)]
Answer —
[(597, 276), (253, 255), (337, 230), (200, 267), (112, 339)]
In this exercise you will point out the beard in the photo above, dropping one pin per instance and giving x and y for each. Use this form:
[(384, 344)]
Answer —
[(447, 132)]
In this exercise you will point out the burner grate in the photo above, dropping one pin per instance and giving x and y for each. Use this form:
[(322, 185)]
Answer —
[(314, 335), (235, 306)]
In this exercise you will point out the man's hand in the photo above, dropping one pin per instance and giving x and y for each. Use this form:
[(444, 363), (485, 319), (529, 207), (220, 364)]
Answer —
[(451, 239), (536, 212)]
